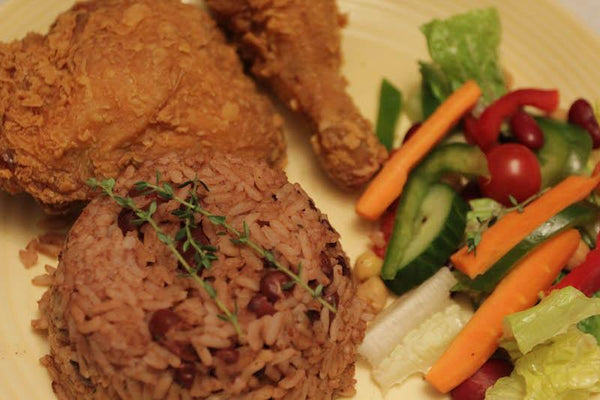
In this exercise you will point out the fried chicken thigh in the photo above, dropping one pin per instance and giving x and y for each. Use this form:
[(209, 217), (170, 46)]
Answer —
[(116, 82), (294, 46)]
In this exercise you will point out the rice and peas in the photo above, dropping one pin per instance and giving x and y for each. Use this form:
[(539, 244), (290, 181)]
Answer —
[(125, 321)]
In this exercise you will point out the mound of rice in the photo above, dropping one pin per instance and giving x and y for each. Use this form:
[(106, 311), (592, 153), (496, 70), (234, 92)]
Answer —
[(125, 323)]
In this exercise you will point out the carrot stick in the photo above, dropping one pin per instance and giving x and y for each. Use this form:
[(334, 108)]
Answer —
[(388, 184), (515, 226), (516, 292)]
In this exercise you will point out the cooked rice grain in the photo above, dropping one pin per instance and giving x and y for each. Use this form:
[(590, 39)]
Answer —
[(109, 284)]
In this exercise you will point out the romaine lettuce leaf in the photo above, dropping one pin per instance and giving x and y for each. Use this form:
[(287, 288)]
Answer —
[(566, 367), (507, 388), (464, 47), (553, 315), (591, 325), (553, 359)]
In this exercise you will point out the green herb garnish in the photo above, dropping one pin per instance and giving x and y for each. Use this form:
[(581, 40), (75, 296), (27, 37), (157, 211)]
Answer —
[(204, 255)]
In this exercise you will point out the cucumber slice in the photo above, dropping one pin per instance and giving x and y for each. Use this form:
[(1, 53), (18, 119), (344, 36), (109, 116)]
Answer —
[(453, 157), (577, 215), (438, 231)]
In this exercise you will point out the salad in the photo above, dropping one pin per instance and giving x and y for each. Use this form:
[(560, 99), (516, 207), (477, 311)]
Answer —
[(490, 198)]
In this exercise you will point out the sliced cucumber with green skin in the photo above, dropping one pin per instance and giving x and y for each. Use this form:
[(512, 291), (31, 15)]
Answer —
[(439, 229), (453, 157), (565, 152), (577, 215)]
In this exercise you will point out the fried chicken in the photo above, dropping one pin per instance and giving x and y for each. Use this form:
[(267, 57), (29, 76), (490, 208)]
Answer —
[(294, 46), (116, 82)]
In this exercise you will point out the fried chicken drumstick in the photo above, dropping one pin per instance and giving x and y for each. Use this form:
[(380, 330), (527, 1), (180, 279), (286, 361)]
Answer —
[(116, 82), (294, 46)]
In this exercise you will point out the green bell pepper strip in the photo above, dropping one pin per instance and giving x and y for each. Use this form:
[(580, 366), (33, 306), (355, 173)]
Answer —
[(390, 105), (565, 152)]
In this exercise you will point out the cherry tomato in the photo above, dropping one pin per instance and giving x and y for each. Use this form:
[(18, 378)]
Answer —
[(514, 171)]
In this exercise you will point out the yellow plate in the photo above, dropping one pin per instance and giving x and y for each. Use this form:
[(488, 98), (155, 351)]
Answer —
[(542, 46)]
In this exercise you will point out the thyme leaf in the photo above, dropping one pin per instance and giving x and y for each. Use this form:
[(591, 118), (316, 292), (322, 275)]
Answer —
[(204, 255), (107, 187)]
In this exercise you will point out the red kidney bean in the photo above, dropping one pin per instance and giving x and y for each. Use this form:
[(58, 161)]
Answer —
[(313, 315), (185, 374), (471, 191), (230, 356), (526, 130), (161, 321), (411, 131), (260, 305), (474, 387), (185, 351), (125, 221), (135, 192), (581, 113), (271, 285)]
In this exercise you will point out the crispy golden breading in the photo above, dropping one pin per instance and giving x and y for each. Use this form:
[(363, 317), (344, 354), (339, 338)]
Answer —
[(294, 46), (116, 82)]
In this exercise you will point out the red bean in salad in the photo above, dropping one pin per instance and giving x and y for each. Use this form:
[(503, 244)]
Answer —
[(474, 388), (526, 130), (582, 114)]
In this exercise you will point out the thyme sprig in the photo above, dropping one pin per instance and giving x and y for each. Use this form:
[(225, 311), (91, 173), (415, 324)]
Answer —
[(107, 186), (204, 255), (192, 206)]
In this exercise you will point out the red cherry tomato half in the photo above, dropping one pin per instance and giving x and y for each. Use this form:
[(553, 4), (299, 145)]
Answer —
[(514, 171)]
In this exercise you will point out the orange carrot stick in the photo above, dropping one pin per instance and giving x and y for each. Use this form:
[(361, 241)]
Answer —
[(516, 292), (515, 226), (388, 183)]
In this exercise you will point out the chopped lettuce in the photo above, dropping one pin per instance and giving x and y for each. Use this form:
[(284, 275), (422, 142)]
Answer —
[(422, 346), (483, 213), (507, 388), (552, 316), (463, 47), (591, 325), (566, 367), (553, 359)]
